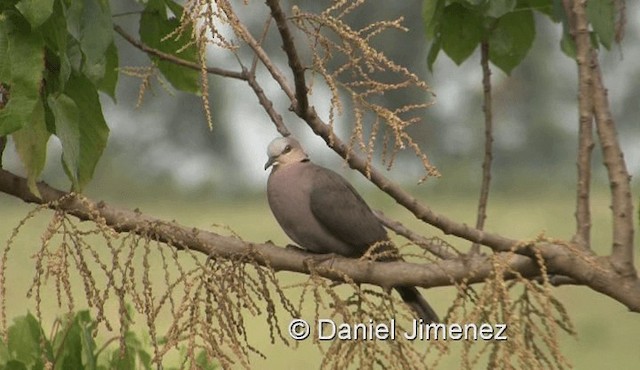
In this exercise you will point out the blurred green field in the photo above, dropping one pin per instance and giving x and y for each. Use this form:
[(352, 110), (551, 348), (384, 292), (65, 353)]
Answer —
[(607, 332)]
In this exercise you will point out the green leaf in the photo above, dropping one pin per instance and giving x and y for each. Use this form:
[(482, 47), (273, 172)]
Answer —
[(31, 145), (568, 46), (14, 365), (203, 362), (89, 23), (110, 80), (461, 31), (55, 34), (433, 53), (431, 15), (94, 131), (155, 28), (67, 124), (22, 74), (97, 37), (89, 359), (35, 11), (24, 339), (498, 8), (601, 14), (545, 7), (69, 353), (511, 39)]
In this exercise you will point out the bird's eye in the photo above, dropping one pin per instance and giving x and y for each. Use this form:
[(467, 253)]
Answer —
[(287, 149)]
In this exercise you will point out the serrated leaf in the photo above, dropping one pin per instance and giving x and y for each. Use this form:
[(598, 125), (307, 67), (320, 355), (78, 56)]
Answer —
[(154, 29), (22, 74), (31, 144), (67, 124), (601, 14), (94, 131), (461, 31), (35, 11), (431, 14), (511, 39)]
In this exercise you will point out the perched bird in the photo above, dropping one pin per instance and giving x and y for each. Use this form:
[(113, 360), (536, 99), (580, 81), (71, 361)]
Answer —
[(320, 211)]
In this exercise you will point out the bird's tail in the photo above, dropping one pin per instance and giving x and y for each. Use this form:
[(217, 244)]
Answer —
[(412, 297)]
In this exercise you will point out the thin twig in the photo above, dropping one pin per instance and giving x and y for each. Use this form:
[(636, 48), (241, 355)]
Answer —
[(292, 56), (267, 104), (174, 59), (265, 30), (242, 31), (400, 229), (488, 142)]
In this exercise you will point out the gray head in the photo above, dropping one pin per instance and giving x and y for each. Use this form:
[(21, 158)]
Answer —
[(284, 151)]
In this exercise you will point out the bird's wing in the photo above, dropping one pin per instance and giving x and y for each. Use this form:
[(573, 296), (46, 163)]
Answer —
[(342, 212)]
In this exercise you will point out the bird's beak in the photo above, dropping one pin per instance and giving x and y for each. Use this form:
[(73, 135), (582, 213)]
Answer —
[(270, 162)]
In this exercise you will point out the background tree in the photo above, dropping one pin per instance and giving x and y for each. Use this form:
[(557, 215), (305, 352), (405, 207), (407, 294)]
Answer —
[(61, 53)]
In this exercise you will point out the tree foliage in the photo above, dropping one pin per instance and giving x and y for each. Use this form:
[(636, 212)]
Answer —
[(458, 27)]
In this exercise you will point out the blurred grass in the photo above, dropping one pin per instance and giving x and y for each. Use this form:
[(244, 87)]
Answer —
[(607, 332)]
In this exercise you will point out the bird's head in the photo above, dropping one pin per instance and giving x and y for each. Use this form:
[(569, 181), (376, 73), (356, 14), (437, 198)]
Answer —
[(284, 151)]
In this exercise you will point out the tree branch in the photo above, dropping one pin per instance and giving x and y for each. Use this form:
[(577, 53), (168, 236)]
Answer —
[(593, 89), (245, 35), (302, 102), (433, 248), (488, 141), (245, 75), (579, 30), (385, 274), (576, 264), (174, 59), (619, 178)]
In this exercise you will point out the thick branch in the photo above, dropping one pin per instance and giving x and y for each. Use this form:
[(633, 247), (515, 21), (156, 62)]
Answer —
[(619, 178), (583, 268), (592, 88), (385, 274), (488, 142)]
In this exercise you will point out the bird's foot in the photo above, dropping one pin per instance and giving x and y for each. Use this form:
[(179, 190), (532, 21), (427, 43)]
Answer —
[(293, 247), (312, 261)]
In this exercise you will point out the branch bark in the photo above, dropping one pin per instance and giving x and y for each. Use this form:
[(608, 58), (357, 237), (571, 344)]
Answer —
[(576, 264), (593, 99), (488, 142), (579, 30)]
